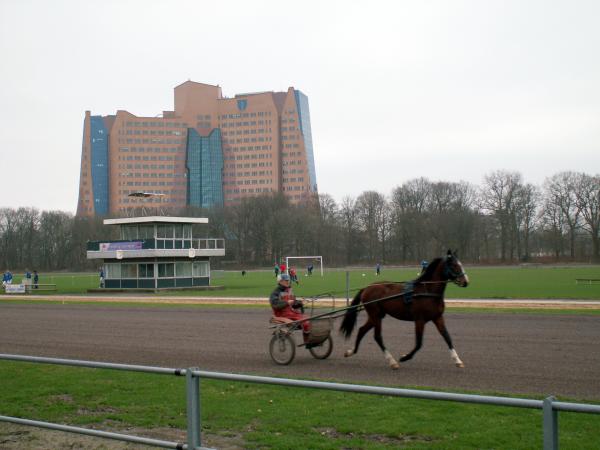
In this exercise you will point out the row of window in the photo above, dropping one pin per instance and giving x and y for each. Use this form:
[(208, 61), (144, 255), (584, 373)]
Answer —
[(247, 140), (161, 200), (248, 165), (149, 150), (152, 158), (150, 175), (248, 191), (241, 115), (119, 271), (253, 123), (243, 182), (157, 124), (293, 162), (152, 141), (254, 173), (240, 132), (249, 148), (149, 166), (293, 180), (152, 183), (292, 146), (152, 132), (247, 156)]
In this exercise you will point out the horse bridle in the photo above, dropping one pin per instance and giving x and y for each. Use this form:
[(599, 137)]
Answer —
[(451, 274)]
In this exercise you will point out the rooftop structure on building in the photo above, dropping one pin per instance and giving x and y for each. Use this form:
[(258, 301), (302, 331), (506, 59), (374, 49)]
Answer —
[(208, 151)]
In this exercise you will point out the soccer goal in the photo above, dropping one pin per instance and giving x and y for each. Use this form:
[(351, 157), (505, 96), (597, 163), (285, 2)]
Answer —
[(306, 261)]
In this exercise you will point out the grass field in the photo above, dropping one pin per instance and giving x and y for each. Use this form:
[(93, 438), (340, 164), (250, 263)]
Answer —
[(486, 282), (275, 417)]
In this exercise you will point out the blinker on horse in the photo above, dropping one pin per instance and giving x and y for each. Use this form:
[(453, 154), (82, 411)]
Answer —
[(420, 301)]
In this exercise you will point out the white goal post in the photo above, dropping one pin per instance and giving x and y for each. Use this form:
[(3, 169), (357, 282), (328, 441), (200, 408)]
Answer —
[(312, 258)]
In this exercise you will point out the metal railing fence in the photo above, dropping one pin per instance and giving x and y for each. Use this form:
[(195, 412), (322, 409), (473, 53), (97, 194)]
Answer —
[(549, 406)]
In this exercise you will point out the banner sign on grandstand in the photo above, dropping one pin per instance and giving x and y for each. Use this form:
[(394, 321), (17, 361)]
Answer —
[(114, 246)]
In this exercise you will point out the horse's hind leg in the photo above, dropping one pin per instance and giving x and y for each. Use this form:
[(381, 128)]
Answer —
[(419, 328), (361, 332), (388, 356), (441, 326)]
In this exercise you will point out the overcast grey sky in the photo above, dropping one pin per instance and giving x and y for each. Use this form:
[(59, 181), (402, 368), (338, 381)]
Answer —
[(448, 90)]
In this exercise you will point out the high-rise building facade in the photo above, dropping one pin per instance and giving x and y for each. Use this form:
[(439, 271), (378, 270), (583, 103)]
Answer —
[(209, 151)]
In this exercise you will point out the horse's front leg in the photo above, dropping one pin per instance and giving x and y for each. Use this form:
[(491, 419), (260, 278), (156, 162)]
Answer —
[(441, 326), (419, 328)]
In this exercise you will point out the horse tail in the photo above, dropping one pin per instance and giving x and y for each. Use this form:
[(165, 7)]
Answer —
[(350, 317)]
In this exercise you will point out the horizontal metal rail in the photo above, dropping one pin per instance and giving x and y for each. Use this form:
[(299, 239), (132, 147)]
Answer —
[(407, 393), (95, 433), (549, 405)]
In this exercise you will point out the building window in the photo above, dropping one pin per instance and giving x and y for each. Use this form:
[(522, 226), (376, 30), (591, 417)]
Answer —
[(166, 270), (146, 270)]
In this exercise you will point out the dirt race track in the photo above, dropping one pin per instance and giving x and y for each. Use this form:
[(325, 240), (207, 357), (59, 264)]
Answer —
[(521, 354)]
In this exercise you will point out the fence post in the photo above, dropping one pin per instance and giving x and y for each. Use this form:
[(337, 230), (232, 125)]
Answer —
[(192, 389), (347, 287), (550, 424)]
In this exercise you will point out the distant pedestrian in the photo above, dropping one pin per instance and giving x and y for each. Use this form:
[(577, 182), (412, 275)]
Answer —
[(102, 284), (27, 277), (293, 275), (7, 278), (282, 268), (276, 270), (36, 279), (424, 265), (243, 273), (309, 269), (378, 269)]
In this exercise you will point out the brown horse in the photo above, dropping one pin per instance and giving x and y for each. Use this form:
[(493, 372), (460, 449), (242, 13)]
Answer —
[(420, 301)]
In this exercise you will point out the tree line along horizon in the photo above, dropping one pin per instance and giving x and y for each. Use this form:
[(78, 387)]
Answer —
[(505, 220)]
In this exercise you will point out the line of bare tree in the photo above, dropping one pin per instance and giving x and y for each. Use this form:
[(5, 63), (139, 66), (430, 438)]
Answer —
[(505, 220)]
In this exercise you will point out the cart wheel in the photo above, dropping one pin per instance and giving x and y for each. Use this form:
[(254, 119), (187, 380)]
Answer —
[(282, 349), (323, 350)]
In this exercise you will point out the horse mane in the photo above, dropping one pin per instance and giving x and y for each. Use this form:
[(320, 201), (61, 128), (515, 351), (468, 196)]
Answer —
[(429, 270)]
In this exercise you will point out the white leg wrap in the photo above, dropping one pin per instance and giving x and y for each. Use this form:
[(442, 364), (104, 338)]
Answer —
[(348, 353), (455, 358), (390, 359)]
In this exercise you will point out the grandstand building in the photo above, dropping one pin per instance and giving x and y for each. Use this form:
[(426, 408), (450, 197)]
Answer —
[(209, 151)]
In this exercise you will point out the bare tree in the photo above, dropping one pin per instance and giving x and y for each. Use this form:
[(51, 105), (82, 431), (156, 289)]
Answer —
[(587, 200), (561, 205), (349, 223), (499, 197), (370, 206)]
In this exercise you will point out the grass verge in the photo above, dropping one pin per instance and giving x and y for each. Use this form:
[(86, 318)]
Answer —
[(273, 416)]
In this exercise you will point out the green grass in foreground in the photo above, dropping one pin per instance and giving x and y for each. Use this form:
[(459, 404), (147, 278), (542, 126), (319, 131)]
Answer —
[(486, 282), (276, 417)]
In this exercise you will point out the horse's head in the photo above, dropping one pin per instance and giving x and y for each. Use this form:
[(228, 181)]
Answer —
[(453, 270)]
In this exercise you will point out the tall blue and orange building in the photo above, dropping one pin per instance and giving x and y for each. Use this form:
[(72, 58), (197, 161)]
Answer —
[(209, 151)]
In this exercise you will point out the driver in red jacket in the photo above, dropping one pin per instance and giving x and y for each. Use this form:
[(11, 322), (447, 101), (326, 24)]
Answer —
[(284, 303)]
